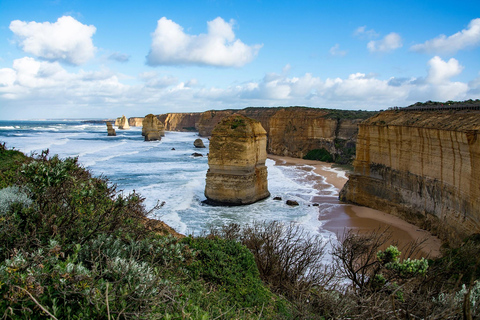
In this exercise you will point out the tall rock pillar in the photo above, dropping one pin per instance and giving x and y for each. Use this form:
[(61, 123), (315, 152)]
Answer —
[(110, 129), (123, 123), (152, 129), (237, 174)]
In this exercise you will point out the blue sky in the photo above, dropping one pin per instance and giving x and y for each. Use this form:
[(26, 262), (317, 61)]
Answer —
[(95, 59)]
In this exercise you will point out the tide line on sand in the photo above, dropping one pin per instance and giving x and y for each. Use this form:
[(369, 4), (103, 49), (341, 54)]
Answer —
[(348, 216)]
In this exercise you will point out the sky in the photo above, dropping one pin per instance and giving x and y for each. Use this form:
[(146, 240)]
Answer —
[(104, 59)]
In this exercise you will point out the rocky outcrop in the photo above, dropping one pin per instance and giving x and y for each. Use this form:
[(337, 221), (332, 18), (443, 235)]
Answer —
[(122, 123), (135, 121), (295, 131), (180, 121), (423, 166), (198, 143), (237, 174), (152, 129), (110, 129)]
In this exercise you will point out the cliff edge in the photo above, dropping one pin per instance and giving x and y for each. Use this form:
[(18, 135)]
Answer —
[(423, 166)]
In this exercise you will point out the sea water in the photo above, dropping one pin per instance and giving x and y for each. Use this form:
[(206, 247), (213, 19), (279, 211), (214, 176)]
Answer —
[(166, 172)]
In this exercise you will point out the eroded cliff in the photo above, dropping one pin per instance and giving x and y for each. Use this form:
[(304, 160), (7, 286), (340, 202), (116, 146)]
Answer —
[(180, 121), (294, 131), (135, 121), (423, 166)]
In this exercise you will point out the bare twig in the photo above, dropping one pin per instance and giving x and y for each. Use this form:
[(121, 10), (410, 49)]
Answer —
[(106, 298), (37, 303)]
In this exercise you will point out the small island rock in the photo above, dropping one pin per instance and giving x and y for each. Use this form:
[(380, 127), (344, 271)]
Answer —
[(198, 143)]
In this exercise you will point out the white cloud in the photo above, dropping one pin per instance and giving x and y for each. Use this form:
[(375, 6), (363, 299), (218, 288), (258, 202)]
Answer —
[(172, 46), (362, 32), (65, 40), (469, 37), (335, 51), (441, 71), (389, 43), (37, 87)]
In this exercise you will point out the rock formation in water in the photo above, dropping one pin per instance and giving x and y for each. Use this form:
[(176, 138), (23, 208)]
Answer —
[(152, 129), (423, 166), (292, 131), (237, 174), (122, 123), (110, 129), (198, 143)]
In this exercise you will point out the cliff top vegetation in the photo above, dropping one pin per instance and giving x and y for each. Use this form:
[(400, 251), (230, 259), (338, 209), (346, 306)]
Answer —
[(466, 104), (452, 119)]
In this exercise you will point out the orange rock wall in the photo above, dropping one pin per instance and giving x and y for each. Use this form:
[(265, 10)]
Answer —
[(422, 166), (180, 121)]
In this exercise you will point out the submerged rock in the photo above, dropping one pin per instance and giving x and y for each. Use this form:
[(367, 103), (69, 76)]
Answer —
[(292, 203), (237, 174)]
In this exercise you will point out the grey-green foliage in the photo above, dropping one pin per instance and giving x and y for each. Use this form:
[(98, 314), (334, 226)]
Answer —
[(458, 298), (11, 195)]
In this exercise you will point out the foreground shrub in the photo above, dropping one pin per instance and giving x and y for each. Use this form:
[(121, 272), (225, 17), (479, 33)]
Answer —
[(73, 248), (228, 263)]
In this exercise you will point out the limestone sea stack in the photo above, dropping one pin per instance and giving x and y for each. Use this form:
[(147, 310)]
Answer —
[(123, 123), (110, 129), (153, 129), (237, 174)]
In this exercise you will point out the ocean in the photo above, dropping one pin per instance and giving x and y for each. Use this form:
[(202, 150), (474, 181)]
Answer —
[(165, 171)]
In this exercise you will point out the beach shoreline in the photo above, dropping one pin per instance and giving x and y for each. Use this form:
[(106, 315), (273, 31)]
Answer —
[(349, 216)]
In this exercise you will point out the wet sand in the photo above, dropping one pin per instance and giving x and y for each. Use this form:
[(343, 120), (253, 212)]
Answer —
[(360, 218)]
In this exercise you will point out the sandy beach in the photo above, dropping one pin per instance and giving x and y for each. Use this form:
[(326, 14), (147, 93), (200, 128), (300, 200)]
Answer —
[(349, 216)]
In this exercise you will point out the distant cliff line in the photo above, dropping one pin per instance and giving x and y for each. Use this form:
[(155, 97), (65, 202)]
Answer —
[(423, 166), (291, 131)]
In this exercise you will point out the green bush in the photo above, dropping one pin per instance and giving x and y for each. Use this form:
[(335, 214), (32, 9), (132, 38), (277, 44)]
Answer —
[(319, 154), (229, 264)]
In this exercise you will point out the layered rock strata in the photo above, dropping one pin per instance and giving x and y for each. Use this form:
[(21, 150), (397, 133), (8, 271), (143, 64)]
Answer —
[(180, 121), (295, 131), (122, 123), (237, 174), (110, 129), (135, 121), (152, 129), (423, 166), (291, 131)]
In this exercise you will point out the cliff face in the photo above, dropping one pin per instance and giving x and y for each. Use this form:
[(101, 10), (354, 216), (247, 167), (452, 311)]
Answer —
[(237, 173), (135, 121), (294, 131), (180, 121), (423, 166)]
